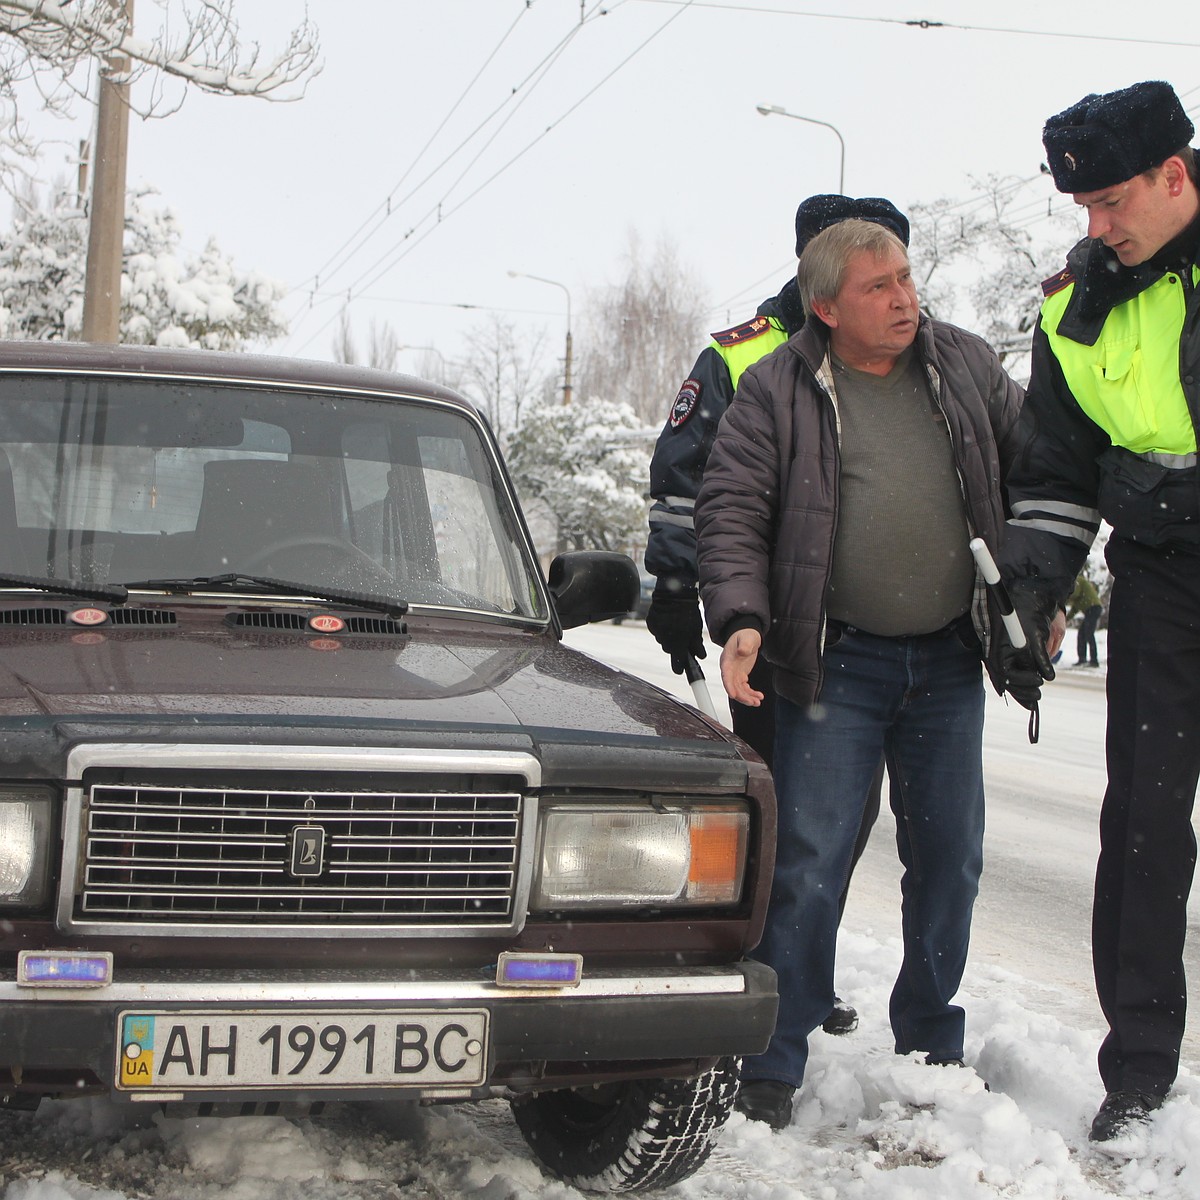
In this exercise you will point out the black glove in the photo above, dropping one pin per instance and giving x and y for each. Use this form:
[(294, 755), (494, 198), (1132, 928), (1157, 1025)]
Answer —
[(1024, 671), (674, 619)]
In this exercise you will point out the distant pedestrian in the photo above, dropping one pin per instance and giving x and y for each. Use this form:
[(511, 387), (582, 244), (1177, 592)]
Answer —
[(1085, 603)]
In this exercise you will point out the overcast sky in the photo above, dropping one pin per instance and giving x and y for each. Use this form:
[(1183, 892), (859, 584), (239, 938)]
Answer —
[(544, 132)]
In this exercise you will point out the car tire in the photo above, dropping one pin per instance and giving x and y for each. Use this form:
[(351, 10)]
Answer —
[(629, 1137)]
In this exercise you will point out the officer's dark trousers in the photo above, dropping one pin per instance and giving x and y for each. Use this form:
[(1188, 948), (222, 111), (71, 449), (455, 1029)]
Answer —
[(1147, 846)]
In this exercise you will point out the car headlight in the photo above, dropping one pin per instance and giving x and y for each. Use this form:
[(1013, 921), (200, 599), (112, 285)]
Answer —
[(621, 855), (24, 846)]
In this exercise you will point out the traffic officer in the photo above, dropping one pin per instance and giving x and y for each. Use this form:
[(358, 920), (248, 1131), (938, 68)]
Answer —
[(1111, 417), (677, 467)]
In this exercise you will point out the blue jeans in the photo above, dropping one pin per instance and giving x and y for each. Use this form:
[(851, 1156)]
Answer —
[(919, 701)]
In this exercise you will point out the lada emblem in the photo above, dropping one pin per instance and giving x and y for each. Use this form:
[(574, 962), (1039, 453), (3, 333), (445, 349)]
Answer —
[(87, 616), (307, 851), (326, 623)]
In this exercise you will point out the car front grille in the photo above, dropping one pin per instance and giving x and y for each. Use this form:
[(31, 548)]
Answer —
[(216, 856)]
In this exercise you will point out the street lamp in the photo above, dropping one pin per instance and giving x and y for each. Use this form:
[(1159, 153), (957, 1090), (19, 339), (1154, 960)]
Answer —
[(567, 359), (777, 110)]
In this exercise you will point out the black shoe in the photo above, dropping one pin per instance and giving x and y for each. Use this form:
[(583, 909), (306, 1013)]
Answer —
[(766, 1100), (1119, 1111), (843, 1018)]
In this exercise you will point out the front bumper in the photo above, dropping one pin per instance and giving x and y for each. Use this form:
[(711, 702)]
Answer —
[(62, 1042)]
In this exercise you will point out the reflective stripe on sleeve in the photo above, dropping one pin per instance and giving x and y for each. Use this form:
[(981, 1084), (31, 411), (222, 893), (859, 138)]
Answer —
[(1058, 508), (666, 518), (1173, 462), (1074, 521)]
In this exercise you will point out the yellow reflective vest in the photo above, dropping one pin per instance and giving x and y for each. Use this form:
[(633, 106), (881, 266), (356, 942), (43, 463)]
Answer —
[(744, 345), (1128, 382)]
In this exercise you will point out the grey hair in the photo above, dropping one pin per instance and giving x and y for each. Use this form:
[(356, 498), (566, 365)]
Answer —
[(822, 266)]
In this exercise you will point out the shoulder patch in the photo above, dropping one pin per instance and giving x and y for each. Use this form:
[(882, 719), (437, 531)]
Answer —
[(742, 333), (1056, 283), (685, 402)]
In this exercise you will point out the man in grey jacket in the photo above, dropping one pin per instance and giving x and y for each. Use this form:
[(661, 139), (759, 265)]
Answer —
[(846, 481)]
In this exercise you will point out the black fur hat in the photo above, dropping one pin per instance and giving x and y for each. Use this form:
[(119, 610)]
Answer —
[(817, 213), (1105, 140)]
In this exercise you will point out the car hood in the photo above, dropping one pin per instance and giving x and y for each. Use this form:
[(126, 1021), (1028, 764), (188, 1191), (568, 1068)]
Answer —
[(442, 673)]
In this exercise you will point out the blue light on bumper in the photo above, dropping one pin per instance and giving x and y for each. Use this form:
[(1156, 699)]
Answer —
[(539, 970), (63, 968)]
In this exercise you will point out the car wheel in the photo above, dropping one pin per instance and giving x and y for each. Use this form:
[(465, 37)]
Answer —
[(628, 1137)]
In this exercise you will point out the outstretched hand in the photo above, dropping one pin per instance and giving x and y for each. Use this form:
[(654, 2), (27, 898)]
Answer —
[(737, 661)]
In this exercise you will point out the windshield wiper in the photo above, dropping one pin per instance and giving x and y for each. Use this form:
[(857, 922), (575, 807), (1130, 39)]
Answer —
[(114, 593), (237, 579)]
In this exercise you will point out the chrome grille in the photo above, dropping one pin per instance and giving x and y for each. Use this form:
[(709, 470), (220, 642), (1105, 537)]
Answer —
[(223, 856)]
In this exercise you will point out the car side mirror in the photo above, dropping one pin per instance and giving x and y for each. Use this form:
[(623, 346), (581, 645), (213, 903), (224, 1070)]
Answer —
[(592, 585)]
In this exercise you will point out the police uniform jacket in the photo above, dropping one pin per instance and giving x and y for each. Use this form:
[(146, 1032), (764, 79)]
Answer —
[(1111, 418), (687, 437)]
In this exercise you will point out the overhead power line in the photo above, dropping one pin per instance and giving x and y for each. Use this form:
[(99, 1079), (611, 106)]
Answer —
[(923, 23), (318, 294), (408, 244), (385, 205)]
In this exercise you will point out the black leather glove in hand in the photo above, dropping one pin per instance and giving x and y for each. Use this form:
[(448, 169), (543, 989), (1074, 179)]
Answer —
[(674, 619), (1025, 670)]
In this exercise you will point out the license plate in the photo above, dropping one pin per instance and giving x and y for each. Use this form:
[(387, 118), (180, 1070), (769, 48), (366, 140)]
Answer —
[(285, 1050)]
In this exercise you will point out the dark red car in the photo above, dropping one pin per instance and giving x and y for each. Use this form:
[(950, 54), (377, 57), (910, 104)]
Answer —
[(303, 800)]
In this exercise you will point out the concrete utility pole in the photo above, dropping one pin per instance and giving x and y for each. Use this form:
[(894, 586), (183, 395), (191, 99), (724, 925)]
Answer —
[(106, 218), (567, 390)]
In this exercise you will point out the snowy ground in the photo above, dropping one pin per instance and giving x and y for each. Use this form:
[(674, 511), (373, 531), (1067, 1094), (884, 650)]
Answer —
[(868, 1125)]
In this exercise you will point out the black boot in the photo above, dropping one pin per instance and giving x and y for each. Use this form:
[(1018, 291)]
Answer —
[(766, 1100), (1120, 1111), (843, 1018)]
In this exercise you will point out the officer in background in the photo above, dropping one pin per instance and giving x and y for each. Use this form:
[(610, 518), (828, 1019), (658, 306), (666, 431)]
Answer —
[(1110, 417), (676, 469)]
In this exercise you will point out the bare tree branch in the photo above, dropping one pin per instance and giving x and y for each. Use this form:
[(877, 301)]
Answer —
[(648, 329), (980, 265), (63, 34)]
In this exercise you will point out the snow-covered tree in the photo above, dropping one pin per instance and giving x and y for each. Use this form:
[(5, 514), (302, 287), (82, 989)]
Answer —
[(55, 46), (199, 42), (980, 263), (166, 300), (583, 463)]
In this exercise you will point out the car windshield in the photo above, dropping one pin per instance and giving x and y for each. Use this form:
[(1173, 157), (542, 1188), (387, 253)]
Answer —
[(109, 481)]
